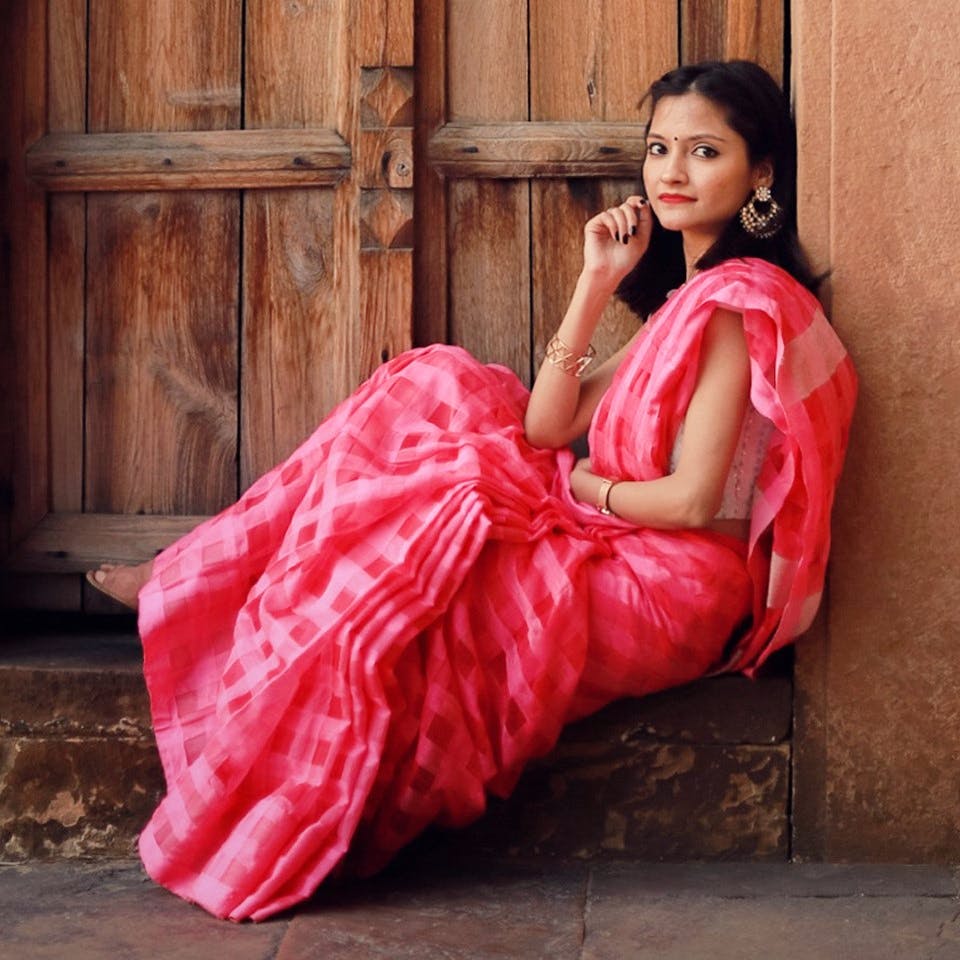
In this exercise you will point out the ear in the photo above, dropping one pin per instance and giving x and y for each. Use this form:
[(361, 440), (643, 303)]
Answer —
[(763, 174)]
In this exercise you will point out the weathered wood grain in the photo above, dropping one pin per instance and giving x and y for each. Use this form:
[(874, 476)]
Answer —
[(488, 222), (300, 247), (164, 66), (386, 211), (385, 158), (292, 362), (386, 97), (385, 32), (430, 258), (224, 159), (536, 149), (487, 63), (67, 64), (593, 61), (385, 304), (729, 29), (68, 542), (489, 263), (66, 111), (66, 323), (161, 352), (294, 74), (162, 269), (23, 437)]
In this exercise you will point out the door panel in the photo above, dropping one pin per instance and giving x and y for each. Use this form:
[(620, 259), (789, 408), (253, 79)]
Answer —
[(162, 269), (161, 352), (291, 322)]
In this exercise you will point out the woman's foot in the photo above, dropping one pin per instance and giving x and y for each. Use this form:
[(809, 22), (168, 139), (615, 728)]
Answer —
[(119, 582)]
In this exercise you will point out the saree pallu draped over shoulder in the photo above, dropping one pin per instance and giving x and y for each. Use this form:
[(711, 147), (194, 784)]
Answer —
[(387, 626)]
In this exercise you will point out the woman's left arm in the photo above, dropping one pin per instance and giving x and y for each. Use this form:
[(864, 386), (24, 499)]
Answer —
[(691, 495)]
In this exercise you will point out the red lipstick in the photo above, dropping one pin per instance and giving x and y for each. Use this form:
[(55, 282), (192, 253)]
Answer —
[(674, 198)]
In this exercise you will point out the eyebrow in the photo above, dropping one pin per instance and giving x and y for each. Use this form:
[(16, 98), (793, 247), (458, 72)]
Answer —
[(696, 136)]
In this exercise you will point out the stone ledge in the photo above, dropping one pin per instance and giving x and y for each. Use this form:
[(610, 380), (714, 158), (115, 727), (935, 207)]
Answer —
[(68, 685), (75, 797), (670, 802), (701, 772)]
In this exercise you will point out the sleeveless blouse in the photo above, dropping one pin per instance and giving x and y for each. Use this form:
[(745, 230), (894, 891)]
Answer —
[(751, 450)]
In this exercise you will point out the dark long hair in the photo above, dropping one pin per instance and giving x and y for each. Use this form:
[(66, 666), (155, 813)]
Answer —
[(756, 108)]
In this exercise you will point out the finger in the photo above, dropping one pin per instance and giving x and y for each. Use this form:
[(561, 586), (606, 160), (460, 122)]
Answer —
[(610, 219), (619, 218), (635, 209)]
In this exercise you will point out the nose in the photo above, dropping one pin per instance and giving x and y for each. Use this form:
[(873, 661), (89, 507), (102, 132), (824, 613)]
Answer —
[(673, 169)]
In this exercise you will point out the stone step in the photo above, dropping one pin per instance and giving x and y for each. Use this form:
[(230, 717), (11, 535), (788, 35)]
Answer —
[(698, 773), (79, 772)]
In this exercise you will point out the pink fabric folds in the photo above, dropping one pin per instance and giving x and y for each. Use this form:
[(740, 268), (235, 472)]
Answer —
[(802, 380), (387, 626)]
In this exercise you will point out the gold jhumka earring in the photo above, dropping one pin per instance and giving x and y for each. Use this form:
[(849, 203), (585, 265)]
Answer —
[(761, 216)]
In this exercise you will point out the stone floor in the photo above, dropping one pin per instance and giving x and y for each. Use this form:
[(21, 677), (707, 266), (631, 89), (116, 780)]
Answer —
[(424, 909)]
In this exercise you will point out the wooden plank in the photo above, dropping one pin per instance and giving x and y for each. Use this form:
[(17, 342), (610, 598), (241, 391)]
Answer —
[(196, 160), (24, 442), (430, 259), (162, 269), (729, 29), (386, 128), (66, 324), (74, 542), (386, 220), (386, 212), (161, 352), (300, 290), (545, 149), (488, 229), (67, 64), (755, 31), (385, 32), (593, 61), (386, 300), (294, 64), (293, 363), (160, 66), (487, 64), (489, 262), (66, 111)]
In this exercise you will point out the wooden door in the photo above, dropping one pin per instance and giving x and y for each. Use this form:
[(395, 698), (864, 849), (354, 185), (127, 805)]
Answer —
[(209, 216), (529, 118), (220, 192)]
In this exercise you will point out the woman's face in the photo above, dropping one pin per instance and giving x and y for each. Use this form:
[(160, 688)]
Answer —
[(697, 171)]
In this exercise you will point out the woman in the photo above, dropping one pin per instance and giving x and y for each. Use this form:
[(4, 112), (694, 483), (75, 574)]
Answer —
[(390, 624)]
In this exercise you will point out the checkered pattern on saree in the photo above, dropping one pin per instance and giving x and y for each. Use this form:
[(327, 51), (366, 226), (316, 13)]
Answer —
[(388, 625)]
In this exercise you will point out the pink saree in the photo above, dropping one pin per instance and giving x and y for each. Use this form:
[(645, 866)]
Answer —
[(387, 626)]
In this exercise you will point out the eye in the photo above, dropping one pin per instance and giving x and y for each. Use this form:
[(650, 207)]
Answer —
[(705, 150), (656, 149)]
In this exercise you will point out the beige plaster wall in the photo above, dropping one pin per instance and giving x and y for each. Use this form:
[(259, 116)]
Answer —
[(877, 90)]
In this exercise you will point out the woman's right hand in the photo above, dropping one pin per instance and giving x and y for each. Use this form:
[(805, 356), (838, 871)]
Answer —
[(615, 239)]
